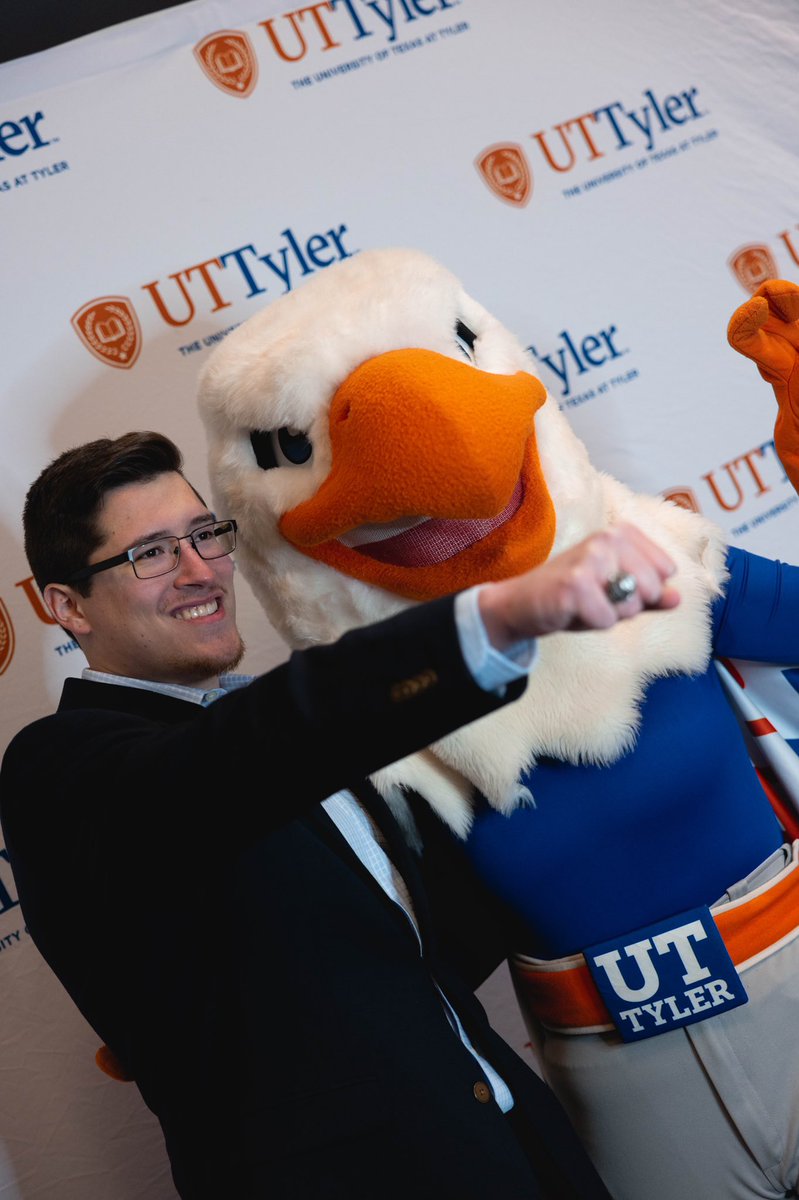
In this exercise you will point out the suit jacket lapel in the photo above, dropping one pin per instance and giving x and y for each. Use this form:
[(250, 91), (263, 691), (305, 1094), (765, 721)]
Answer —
[(327, 830), (398, 850)]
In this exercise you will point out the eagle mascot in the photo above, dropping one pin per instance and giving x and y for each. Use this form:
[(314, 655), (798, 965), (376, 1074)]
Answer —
[(383, 440)]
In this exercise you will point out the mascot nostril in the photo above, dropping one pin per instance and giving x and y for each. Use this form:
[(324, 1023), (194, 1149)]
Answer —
[(645, 803)]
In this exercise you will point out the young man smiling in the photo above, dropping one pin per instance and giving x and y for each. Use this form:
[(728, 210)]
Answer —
[(172, 618), (257, 947)]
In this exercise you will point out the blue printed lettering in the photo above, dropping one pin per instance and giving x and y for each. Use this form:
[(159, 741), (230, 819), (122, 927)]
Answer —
[(17, 137), (627, 126), (576, 357), (203, 282), (386, 15)]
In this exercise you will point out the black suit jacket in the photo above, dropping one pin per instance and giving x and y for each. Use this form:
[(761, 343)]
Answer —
[(176, 870)]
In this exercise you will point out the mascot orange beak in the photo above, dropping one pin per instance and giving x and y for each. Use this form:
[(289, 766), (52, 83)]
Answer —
[(436, 482)]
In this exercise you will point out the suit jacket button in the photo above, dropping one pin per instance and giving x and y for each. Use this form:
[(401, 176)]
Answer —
[(482, 1092)]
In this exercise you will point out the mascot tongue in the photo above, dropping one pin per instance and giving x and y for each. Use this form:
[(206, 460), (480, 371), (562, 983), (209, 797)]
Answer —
[(420, 542), (435, 482)]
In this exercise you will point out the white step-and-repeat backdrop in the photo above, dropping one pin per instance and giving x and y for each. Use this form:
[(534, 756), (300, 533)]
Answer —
[(610, 179)]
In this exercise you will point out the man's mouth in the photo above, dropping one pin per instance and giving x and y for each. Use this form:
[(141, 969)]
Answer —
[(197, 610)]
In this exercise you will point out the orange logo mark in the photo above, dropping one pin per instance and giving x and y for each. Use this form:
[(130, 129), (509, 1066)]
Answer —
[(504, 168), (109, 328), (682, 496), (6, 638), (228, 60), (753, 265), (37, 603)]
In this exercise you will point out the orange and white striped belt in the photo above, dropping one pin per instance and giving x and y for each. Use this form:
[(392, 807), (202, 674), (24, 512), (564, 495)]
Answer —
[(562, 995)]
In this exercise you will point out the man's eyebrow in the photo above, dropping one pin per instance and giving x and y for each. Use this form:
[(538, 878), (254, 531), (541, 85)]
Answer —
[(202, 519)]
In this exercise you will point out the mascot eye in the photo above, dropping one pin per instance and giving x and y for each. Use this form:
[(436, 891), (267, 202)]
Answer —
[(286, 447), (465, 340), (292, 446)]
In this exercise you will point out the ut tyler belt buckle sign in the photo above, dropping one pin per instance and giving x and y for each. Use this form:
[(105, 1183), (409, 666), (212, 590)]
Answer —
[(665, 976)]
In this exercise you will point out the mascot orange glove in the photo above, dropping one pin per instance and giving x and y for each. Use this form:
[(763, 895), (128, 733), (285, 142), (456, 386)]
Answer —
[(766, 329)]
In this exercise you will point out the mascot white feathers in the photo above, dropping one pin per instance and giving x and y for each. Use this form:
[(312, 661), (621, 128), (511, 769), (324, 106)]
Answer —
[(382, 440)]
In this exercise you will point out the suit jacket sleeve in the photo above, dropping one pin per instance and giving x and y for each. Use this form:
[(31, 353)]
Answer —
[(260, 756)]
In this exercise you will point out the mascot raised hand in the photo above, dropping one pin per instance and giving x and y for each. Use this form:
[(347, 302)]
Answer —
[(382, 440)]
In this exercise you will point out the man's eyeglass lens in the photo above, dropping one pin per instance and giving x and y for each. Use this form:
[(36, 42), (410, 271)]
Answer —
[(161, 556)]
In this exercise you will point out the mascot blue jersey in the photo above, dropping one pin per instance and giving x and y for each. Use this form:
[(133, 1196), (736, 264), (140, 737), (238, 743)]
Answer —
[(670, 825)]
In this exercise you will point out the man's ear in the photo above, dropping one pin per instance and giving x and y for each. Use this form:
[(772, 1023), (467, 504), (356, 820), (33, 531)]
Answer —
[(66, 605)]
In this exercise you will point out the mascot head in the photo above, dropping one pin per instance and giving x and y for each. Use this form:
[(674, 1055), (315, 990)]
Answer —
[(382, 440)]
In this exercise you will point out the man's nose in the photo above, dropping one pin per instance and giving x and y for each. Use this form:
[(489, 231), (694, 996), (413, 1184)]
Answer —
[(192, 568)]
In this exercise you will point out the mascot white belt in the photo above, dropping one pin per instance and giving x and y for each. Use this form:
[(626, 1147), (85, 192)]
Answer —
[(381, 439)]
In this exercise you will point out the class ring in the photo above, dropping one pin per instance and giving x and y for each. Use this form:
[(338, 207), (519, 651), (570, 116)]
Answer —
[(621, 588)]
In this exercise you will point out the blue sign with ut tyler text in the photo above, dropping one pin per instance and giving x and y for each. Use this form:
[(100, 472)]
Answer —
[(665, 976)]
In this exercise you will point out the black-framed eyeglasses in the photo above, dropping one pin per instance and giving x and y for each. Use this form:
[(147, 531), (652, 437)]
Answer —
[(162, 555)]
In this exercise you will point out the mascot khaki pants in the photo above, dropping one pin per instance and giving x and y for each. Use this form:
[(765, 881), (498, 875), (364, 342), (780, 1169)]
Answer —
[(709, 1111)]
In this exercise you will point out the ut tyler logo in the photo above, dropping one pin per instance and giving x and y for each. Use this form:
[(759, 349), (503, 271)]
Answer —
[(683, 497), (589, 137), (505, 169), (109, 328), (753, 265), (666, 976), (228, 59), (6, 638)]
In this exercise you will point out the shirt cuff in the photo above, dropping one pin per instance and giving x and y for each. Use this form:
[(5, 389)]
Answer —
[(491, 669)]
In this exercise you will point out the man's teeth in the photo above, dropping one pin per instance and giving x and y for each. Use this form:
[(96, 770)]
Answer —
[(199, 610)]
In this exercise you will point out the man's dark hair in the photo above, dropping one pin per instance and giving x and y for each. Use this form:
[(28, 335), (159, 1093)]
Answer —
[(62, 507)]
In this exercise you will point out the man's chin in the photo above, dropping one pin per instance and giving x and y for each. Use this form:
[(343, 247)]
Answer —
[(196, 671), (233, 662)]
